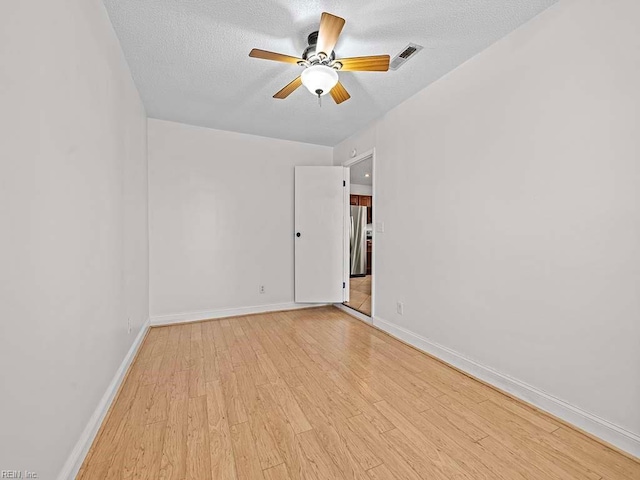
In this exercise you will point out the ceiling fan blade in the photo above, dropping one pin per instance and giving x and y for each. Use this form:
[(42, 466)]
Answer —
[(328, 33), (277, 57), (289, 89), (375, 63), (339, 93)]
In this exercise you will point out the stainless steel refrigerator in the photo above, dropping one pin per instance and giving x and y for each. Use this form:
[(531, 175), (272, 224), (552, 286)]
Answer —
[(358, 241)]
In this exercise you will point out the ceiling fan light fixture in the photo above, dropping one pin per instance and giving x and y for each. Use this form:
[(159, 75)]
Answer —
[(319, 79), (320, 74)]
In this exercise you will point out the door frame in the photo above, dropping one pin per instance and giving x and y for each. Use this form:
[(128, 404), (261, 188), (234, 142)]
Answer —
[(347, 165)]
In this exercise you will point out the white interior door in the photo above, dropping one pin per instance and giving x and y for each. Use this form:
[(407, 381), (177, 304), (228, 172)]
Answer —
[(319, 234)]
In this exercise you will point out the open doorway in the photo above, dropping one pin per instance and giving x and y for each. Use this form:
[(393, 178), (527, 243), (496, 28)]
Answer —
[(361, 233)]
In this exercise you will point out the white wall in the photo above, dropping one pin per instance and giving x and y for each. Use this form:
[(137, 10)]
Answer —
[(521, 249), (361, 142), (221, 218), (356, 189), (73, 203)]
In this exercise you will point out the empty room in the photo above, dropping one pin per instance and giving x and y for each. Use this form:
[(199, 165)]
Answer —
[(291, 240)]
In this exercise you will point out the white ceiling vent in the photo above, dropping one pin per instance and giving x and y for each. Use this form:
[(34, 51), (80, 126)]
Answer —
[(406, 53)]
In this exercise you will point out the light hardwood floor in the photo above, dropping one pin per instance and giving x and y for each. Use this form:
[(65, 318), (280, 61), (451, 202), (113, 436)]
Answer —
[(360, 294), (316, 394)]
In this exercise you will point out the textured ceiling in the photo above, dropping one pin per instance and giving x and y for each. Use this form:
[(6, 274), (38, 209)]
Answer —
[(358, 171), (189, 58)]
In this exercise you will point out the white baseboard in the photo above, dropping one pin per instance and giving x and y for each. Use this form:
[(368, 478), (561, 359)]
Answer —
[(597, 426), (227, 312), (79, 452)]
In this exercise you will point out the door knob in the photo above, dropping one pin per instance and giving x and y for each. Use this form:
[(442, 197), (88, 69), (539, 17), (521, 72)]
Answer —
[(298, 234)]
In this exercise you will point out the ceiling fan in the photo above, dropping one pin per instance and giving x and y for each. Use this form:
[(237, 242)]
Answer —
[(320, 74)]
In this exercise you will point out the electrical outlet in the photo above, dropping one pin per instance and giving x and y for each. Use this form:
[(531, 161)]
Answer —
[(380, 227), (262, 289), (128, 324), (400, 308)]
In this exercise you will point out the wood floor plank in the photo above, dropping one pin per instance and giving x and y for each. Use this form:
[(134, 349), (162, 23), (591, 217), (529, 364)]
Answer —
[(311, 394), (246, 350), (410, 382), (535, 468), (196, 375), (265, 444), (221, 451), (125, 453), (320, 417), (500, 463), (152, 371), (268, 368), (223, 358), (198, 455), (289, 406), (173, 465), (282, 432), (218, 336), (257, 373), (516, 439), (280, 346), (316, 371), (150, 453), (427, 460), (211, 368), (94, 471), (279, 472), (236, 327), (184, 348), (455, 423), (506, 464), (196, 340), (388, 389), (316, 462), (531, 435), (381, 472), (338, 451), (236, 412), (345, 453), (339, 407), (541, 421), (418, 430), (443, 460), (360, 403), (244, 451), (602, 459), (228, 334), (375, 442), (146, 349), (252, 336)]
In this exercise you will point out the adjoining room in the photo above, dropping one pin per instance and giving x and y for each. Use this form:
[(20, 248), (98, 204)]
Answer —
[(361, 235)]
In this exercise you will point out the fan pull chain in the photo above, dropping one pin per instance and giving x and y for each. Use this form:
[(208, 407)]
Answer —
[(319, 100)]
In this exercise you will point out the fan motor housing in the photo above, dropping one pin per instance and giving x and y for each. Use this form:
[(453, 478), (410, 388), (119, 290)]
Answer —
[(309, 53)]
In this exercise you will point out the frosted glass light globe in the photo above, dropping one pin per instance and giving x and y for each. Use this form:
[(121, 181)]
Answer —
[(319, 79)]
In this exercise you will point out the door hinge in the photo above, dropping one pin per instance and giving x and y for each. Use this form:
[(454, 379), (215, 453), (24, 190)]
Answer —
[(344, 183), (344, 285)]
